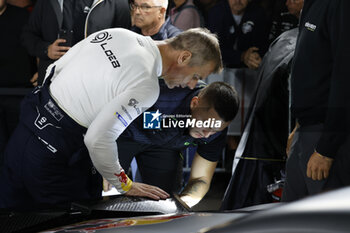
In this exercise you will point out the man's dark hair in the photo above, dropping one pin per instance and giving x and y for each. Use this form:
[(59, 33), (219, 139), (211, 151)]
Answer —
[(223, 97)]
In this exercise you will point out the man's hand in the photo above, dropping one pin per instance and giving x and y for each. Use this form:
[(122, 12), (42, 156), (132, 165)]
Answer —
[(290, 139), (106, 185), (318, 166), (34, 79), (55, 51), (145, 190), (251, 58)]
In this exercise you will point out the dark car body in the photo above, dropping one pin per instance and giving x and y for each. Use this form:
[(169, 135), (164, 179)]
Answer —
[(324, 213)]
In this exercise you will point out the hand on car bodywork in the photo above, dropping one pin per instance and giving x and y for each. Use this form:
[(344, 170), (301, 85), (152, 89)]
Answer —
[(318, 166), (106, 185), (145, 190)]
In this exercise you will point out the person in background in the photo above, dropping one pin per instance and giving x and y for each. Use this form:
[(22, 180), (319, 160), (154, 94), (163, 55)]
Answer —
[(55, 26), (242, 28), (148, 17), (285, 17), (261, 154), (204, 7), (319, 155), (16, 68), (185, 15), (242, 31), (295, 7), (27, 4)]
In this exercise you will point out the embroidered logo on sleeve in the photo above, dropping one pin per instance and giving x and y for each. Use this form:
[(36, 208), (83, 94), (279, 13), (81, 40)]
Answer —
[(125, 123), (133, 103), (126, 112)]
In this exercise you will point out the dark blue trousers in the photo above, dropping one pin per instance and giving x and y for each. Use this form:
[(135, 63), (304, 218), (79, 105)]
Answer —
[(46, 162), (297, 184)]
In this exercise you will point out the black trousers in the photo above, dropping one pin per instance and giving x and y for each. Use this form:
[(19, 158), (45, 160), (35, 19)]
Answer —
[(339, 175), (158, 166), (298, 185)]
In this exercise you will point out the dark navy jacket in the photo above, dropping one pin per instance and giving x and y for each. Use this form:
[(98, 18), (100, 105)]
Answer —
[(252, 31), (171, 102), (166, 31), (320, 72), (46, 19)]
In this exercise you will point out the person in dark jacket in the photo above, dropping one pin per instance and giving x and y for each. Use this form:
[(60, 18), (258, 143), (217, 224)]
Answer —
[(158, 151), (285, 16), (41, 36), (185, 14), (16, 68), (149, 19), (261, 153), (242, 30), (320, 101), (243, 34)]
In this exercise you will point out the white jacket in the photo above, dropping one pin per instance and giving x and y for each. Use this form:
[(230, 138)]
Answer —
[(104, 82)]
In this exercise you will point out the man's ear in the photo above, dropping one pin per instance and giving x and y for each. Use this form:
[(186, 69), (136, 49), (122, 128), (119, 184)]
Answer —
[(194, 102), (162, 12), (184, 57)]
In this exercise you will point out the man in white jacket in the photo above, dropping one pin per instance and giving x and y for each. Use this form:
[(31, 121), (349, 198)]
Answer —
[(68, 127)]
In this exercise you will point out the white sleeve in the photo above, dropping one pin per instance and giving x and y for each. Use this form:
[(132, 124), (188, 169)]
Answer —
[(112, 120)]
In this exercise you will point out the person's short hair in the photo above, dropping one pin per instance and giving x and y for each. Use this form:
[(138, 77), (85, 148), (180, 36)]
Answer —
[(203, 45), (223, 98), (162, 3)]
